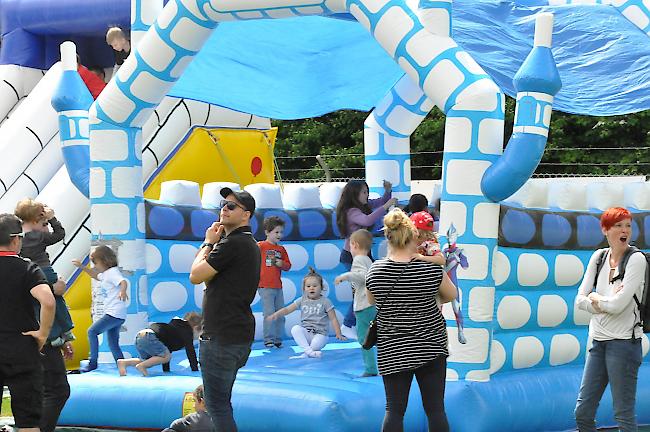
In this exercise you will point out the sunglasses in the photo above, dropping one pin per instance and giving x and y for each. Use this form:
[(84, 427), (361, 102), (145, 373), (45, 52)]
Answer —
[(21, 235), (231, 205)]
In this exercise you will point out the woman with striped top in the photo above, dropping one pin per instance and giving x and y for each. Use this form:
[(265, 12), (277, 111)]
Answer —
[(411, 336)]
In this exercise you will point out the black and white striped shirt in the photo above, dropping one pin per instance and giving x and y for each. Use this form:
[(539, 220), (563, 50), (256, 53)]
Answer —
[(411, 329)]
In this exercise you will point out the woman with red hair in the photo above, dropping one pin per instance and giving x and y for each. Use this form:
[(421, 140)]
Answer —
[(615, 355)]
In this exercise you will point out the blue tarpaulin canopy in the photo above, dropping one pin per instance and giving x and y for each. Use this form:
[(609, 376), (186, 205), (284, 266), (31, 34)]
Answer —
[(305, 67)]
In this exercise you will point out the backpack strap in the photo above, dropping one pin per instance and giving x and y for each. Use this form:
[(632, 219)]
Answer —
[(599, 265), (621, 274), (621, 265)]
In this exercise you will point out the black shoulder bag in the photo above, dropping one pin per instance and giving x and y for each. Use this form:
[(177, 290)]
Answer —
[(371, 336)]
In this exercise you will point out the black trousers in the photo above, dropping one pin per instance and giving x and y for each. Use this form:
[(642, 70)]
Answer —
[(56, 389), (431, 380)]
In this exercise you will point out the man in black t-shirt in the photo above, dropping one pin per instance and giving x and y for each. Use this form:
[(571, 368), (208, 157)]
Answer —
[(21, 336), (228, 263)]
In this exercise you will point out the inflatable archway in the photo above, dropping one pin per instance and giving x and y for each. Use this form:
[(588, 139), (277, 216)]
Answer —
[(522, 327)]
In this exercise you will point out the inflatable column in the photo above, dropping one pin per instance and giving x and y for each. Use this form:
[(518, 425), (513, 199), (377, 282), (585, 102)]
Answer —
[(536, 82), (117, 206), (386, 137), (390, 125), (474, 132), (71, 101), (143, 15)]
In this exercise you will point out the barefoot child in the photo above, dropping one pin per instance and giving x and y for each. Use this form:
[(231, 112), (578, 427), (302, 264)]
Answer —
[(275, 260), (315, 310), (114, 285), (364, 310), (156, 344), (37, 219)]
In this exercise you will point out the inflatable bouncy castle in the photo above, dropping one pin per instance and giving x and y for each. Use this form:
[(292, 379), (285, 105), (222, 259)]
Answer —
[(138, 170)]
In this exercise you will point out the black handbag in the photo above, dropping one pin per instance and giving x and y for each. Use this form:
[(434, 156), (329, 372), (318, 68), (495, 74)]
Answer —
[(371, 336)]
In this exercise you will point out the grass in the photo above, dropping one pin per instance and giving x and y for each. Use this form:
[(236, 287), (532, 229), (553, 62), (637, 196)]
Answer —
[(5, 409)]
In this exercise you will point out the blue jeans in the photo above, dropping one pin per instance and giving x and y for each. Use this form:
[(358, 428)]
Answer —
[(219, 366), (62, 319), (148, 345), (615, 362), (111, 326), (272, 300)]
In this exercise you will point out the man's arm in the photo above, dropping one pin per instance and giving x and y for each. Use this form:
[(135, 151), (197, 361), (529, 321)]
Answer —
[(43, 294), (201, 271)]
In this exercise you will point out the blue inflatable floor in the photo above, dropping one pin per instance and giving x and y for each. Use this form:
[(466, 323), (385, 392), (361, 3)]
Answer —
[(276, 393)]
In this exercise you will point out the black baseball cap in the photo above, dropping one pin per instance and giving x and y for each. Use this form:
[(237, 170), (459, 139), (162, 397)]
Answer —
[(244, 198), (10, 225)]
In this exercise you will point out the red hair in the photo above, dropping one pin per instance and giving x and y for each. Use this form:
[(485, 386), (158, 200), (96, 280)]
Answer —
[(613, 215)]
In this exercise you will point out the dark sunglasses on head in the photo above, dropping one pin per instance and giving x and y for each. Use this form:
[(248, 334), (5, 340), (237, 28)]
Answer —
[(21, 235), (231, 205)]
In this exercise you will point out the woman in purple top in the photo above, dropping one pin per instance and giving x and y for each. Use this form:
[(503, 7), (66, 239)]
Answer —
[(355, 211)]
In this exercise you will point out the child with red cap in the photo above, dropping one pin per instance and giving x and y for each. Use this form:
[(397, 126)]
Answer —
[(428, 246)]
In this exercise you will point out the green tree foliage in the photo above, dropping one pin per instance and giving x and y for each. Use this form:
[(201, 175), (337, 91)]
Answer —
[(577, 145)]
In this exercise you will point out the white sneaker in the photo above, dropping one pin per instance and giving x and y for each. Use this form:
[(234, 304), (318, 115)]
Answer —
[(349, 332)]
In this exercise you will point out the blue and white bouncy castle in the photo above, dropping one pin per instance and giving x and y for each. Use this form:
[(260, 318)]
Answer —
[(526, 242)]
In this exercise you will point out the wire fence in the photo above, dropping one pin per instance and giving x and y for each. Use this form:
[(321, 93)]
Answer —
[(428, 164)]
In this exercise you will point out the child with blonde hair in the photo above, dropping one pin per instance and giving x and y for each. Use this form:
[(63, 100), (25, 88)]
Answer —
[(114, 285), (315, 310), (118, 40), (37, 219), (364, 309)]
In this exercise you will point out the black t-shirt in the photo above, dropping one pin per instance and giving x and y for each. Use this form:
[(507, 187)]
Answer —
[(17, 314), (121, 56), (227, 315), (176, 335)]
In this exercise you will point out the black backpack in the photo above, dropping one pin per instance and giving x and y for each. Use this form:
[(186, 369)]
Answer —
[(644, 303)]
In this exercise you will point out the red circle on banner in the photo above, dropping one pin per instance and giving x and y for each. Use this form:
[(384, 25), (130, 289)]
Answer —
[(256, 166)]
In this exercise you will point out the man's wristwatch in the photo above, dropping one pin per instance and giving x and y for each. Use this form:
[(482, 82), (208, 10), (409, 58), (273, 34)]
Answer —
[(211, 245)]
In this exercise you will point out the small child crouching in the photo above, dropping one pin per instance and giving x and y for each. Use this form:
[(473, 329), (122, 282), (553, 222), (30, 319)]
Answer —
[(156, 344), (315, 310)]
